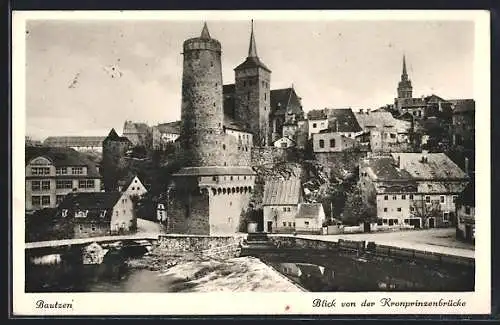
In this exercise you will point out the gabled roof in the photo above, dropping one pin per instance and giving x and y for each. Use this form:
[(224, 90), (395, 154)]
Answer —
[(309, 210), (62, 157), (113, 136), (126, 181), (435, 166), (282, 192), (434, 98), (94, 202), (375, 119), (286, 138), (132, 127), (230, 123), (342, 120), (285, 101), (316, 114), (385, 169), (170, 127), (465, 105), (74, 141)]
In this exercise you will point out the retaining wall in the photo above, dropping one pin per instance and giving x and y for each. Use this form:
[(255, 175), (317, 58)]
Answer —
[(215, 246)]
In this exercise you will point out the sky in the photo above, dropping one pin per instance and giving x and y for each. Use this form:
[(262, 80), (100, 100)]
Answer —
[(86, 77)]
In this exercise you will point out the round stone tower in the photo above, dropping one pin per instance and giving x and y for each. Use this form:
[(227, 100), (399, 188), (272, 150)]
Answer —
[(202, 102)]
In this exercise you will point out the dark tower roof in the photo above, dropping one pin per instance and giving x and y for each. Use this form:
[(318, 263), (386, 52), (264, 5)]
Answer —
[(252, 60), (204, 33), (404, 66)]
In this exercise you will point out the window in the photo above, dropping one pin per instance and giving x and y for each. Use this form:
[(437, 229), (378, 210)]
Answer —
[(283, 145), (59, 198), (442, 199), (35, 185), (94, 228), (231, 178), (394, 197), (385, 209), (86, 183), (332, 143), (314, 125), (321, 143), (40, 171), (384, 221), (288, 209), (393, 136), (46, 200), (35, 201), (467, 210), (77, 170), (379, 222), (284, 224), (412, 209), (391, 222), (403, 197), (386, 197), (223, 146), (289, 224), (214, 178), (133, 188), (294, 223), (64, 183), (411, 196), (306, 223), (454, 198), (80, 227), (428, 199), (284, 209), (64, 213), (446, 216), (61, 170), (45, 185), (399, 209), (396, 221)]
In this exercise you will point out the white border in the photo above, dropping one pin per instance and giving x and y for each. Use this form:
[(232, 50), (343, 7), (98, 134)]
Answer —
[(477, 302)]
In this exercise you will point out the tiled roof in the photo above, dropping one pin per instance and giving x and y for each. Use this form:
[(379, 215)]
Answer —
[(62, 157), (74, 141), (440, 187), (466, 105), (216, 170), (232, 124), (343, 120), (316, 114), (95, 202), (170, 127), (252, 62), (113, 136), (132, 127), (436, 166), (375, 119), (385, 168), (309, 210), (282, 192), (285, 101)]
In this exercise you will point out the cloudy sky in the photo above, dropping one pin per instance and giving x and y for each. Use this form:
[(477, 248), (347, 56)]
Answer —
[(85, 77)]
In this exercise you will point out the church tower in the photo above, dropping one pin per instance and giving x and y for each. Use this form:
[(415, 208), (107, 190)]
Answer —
[(252, 94), (405, 88), (202, 106)]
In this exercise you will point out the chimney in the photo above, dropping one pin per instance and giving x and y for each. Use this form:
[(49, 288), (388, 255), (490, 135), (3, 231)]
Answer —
[(361, 110), (467, 166)]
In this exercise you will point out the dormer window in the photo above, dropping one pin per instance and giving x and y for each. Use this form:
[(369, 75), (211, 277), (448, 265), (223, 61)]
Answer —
[(64, 213), (102, 214), (81, 214)]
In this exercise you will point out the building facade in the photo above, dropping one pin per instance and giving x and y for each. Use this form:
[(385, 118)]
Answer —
[(139, 134), (280, 205), (82, 144), (52, 173), (99, 214)]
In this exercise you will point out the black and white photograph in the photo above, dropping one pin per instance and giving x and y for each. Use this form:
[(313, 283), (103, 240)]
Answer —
[(328, 158)]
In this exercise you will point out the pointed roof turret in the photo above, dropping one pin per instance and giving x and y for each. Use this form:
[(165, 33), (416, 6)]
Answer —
[(404, 65), (205, 34), (252, 60), (252, 48)]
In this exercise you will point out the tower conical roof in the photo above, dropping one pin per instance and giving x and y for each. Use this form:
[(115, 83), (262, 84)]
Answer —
[(404, 65), (252, 48), (205, 34)]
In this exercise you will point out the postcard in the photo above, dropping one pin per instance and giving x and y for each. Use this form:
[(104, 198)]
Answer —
[(251, 163)]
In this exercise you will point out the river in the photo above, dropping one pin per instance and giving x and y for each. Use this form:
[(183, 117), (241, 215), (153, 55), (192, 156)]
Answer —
[(125, 272)]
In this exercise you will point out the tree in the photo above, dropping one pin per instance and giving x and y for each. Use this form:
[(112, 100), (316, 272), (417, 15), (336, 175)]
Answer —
[(425, 210), (356, 211)]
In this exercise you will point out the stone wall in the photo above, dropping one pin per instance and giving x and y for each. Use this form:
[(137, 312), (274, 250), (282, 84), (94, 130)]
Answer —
[(188, 212), (208, 246), (334, 162), (268, 155)]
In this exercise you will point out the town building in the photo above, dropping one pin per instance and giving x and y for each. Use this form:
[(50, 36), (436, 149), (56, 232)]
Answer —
[(210, 192), (280, 204), (79, 143), (338, 120), (466, 222), (132, 186), (165, 133), (99, 213), (139, 134), (310, 218), (250, 100), (52, 173), (419, 189), (30, 142), (330, 141), (464, 123), (284, 142), (386, 133)]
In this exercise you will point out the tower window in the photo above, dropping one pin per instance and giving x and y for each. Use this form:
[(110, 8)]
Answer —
[(248, 96), (244, 83), (211, 63), (265, 96), (224, 146)]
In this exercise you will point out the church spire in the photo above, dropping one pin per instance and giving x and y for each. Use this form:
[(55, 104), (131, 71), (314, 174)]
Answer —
[(404, 76), (252, 49), (204, 33)]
